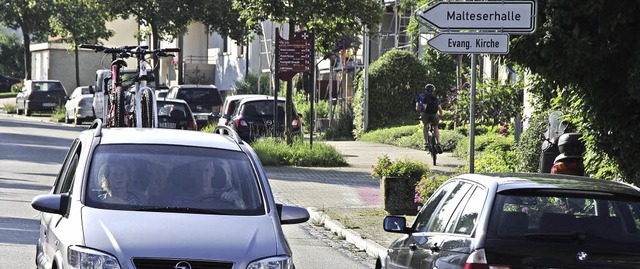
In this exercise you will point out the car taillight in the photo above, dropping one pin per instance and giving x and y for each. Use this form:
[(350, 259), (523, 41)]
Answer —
[(477, 260), (192, 125), (240, 122)]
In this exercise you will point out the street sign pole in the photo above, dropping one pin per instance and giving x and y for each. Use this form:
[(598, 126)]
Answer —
[(472, 115)]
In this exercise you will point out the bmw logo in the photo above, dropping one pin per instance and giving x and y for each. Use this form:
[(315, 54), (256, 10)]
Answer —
[(581, 256), (182, 265)]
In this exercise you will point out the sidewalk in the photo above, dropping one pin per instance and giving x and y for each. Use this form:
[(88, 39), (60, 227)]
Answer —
[(348, 188)]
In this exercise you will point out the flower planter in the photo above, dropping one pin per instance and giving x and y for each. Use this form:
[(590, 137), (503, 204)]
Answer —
[(398, 194)]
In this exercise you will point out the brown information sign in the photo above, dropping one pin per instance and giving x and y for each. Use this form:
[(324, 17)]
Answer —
[(294, 55)]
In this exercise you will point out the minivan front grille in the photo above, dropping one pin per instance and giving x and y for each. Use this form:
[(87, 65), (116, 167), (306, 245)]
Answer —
[(151, 263)]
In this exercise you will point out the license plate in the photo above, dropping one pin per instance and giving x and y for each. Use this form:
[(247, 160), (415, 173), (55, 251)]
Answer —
[(203, 117), (170, 125), (49, 104)]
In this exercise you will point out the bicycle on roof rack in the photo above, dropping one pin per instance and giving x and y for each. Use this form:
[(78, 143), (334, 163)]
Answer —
[(120, 109)]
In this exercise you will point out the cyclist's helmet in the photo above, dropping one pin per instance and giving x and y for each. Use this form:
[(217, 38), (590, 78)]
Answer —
[(429, 87)]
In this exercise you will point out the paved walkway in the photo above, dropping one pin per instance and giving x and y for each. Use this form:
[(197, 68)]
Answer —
[(347, 187)]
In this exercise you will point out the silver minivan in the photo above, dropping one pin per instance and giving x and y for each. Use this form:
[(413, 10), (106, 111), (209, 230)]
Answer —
[(161, 198)]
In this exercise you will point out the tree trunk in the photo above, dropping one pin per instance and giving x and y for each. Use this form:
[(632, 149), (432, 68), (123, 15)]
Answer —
[(77, 64), (27, 54), (289, 95)]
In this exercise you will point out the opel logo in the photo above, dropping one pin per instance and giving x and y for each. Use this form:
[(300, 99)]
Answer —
[(269, 122), (182, 265), (581, 256)]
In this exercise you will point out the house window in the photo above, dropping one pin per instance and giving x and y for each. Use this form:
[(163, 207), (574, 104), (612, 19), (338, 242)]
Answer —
[(225, 44)]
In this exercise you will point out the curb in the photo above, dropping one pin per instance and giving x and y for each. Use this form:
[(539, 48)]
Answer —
[(372, 248)]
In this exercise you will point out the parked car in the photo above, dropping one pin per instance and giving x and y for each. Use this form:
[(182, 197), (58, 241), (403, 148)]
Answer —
[(175, 114), (79, 106), (230, 104), (204, 100), (520, 221), (7, 82), (253, 118), (162, 198), (40, 95)]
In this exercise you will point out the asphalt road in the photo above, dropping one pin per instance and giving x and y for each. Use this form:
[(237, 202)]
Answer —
[(31, 151)]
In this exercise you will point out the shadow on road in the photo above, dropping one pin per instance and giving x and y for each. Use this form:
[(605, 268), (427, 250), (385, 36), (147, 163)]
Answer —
[(19, 231)]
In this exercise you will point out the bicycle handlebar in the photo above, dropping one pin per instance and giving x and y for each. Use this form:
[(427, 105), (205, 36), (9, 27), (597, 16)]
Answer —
[(135, 50)]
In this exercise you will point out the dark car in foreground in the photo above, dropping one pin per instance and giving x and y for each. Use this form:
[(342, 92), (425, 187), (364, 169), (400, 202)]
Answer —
[(204, 100), (254, 118), (509, 221), (161, 198), (41, 96), (175, 114)]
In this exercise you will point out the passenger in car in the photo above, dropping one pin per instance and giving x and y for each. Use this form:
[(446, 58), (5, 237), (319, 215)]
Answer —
[(207, 181), (116, 181)]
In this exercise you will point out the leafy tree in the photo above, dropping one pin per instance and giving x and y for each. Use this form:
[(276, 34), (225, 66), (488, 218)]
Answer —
[(591, 51), (392, 90), (329, 20), (32, 18), (11, 53), (252, 82), (79, 21)]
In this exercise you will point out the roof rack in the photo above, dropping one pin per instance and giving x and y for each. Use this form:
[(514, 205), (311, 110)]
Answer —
[(96, 124), (226, 130)]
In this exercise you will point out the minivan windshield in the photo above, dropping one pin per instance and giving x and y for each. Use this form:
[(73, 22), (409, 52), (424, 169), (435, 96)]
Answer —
[(566, 217), (167, 178)]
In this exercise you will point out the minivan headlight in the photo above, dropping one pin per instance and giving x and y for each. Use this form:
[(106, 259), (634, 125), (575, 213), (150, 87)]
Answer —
[(281, 262), (84, 258)]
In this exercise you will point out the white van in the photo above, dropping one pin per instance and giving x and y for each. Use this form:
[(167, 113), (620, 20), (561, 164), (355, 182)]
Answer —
[(103, 78)]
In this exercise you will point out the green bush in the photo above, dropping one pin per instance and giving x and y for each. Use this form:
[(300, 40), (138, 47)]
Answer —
[(427, 185), (481, 142), (496, 162), (403, 167), (273, 152), (10, 109), (529, 148), (303, 106), (342, 128), (392, 89)]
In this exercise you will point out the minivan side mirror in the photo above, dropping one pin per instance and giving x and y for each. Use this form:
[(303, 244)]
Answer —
[(52, 203)]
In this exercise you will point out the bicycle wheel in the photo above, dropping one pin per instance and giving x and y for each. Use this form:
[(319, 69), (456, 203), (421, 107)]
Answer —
[(433, 150), (120, 109), (147, 110)]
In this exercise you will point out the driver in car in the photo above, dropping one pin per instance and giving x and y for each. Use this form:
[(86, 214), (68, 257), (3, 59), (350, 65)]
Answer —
[(207, 181)]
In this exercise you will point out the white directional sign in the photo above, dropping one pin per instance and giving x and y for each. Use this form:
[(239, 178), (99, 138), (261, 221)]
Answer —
[(463, 43), (503, 16)]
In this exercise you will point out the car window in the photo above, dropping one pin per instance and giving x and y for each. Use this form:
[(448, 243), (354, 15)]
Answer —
[(466, 221), (67, 171), (47, 86), (165, 178), (422, 219), (518, 214), (262, 108), (85, 90), (166, 108), (200, 95), (448, 207)]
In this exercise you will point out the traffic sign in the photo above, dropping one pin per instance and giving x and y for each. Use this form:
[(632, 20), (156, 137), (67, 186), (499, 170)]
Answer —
[(463, 43), (504, 16)]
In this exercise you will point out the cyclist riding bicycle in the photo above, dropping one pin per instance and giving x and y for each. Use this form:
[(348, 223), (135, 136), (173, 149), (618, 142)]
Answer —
[(428, 104)]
